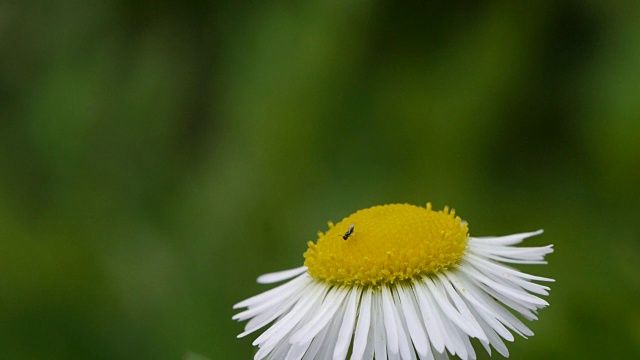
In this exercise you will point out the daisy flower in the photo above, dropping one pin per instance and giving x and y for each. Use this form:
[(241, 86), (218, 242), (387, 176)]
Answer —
[(398, 282)]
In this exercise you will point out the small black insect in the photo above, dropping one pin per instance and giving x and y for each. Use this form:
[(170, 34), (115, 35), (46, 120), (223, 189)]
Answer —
[(349, 232)]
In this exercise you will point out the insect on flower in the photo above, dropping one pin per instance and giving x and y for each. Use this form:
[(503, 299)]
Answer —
[(349, 232)]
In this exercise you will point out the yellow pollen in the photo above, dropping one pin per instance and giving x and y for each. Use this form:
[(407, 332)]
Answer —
[(387, 243)]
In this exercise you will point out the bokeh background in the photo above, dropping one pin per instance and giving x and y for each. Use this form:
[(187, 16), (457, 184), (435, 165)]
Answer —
[(157, 156)]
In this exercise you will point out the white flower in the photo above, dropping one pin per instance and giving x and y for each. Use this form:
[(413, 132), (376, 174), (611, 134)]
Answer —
[(398, 282)]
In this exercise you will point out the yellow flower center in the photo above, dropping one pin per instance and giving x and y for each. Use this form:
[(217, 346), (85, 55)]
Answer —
[(387, 243)]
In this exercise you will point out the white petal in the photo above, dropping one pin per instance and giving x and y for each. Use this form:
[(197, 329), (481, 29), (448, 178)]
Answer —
[(281, 328), (369, 350), (363, 327), (521, 296), (416, 330), (462, 308), (468, 347), (485, 265), (316, 345), (328, 309), (441, 356), (506, 240), (480, 308), (389, 320), (380, 339), (454, 336), (271, 313), (430, 316), (440, 294), (280, 275), (406, 351), (277, 353), (451, 334), (276, 301), (267, 295), (348, 322), (494, 339), (332, 335), (297, 351), (507, 254), (515, 305), (489, 306)]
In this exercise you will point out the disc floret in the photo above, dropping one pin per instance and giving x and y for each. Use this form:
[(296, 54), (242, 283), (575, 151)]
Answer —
[(387, 244)]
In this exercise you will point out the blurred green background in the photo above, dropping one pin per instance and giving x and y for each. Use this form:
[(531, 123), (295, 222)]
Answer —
[(157, 156)]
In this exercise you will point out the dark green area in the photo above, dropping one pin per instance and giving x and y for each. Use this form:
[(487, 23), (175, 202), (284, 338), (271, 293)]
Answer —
[(156, 157)]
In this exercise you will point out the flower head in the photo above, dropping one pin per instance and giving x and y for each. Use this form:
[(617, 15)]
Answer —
[(398, 282)]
